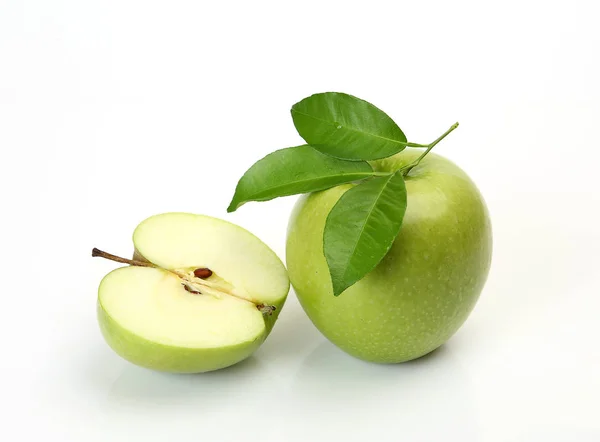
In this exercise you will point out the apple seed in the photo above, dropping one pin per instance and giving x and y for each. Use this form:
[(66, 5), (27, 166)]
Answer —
[(203, 273), (189, 289)]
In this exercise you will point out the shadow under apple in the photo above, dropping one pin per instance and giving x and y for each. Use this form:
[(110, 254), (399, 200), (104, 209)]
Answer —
[(425, 399), (142, 387)]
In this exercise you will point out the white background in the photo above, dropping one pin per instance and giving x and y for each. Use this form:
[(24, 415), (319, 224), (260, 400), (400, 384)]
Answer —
[(111, 111)]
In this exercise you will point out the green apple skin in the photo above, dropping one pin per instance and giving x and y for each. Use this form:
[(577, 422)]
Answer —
[(160, 357), (423, 290)]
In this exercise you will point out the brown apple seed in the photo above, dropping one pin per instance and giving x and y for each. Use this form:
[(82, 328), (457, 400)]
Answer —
[(203, 273)]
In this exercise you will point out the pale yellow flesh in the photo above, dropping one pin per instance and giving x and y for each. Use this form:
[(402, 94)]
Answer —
[(153, 304), (181, 240)]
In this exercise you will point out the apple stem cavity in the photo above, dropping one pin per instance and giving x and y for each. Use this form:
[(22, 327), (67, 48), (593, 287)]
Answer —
[(266, 309), (194, 282), (406, 169)]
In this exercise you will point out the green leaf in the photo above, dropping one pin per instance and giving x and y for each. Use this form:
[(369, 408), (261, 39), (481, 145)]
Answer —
[(361, 228), (295, 170), (347, 127)]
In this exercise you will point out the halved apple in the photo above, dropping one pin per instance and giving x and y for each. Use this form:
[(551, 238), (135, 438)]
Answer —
[(201, 294)]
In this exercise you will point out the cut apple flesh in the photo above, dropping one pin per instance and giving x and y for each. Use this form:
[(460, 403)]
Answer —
[(153, 303), (236, 257)]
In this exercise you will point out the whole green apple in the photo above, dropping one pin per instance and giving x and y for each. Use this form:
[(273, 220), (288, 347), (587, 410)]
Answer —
[(424, 288)]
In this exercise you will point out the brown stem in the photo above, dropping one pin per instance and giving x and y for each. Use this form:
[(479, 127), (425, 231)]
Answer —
[(102, 254)]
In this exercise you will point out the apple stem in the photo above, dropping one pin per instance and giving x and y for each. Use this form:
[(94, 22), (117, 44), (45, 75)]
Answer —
[(190, 282), (111, 257), (406, 169)]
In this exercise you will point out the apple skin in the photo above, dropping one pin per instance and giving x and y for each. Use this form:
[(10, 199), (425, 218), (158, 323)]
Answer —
[(160, 357), (423, 290)]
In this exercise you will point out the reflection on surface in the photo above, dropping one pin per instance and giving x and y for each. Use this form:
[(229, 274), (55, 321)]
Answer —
[(312, 391), (140, 387), (427, 399)]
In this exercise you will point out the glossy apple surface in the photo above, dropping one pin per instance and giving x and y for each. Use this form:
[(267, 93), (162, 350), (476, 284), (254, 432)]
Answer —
[(423, 290)]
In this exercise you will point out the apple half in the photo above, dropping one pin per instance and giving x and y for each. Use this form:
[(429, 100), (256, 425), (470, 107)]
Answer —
[(201, 294)]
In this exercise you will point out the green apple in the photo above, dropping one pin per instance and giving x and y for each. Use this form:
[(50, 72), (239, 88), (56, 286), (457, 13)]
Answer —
[(201, 294), (424, 288)]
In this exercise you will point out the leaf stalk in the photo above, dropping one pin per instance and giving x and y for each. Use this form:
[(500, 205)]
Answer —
[(406, 169)]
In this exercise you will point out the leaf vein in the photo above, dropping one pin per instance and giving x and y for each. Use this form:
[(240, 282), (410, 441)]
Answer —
[(402, 143), (366, 221)]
